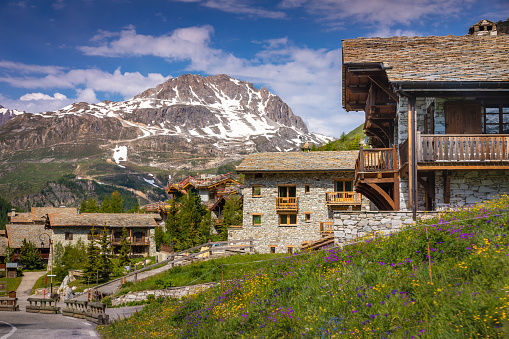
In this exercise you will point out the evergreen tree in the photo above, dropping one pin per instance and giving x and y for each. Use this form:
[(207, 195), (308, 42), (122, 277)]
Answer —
[(104, 255), (115, 203), (125, 249), (135, 209), (5, 208), (29, 256), (232, 215), (9, 252), (92, 264), (89, 206), (159, 237), (105, 206)]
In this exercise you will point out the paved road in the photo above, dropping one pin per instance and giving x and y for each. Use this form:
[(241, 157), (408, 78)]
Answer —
[(23, 325)]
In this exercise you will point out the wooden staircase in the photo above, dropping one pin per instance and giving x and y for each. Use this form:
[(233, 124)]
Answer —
[(326, 241), (377, 177)]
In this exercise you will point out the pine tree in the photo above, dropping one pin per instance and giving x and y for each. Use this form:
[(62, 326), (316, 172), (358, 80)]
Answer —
[(29, 256), (89, 206), (125, 249), (104, 255), (91, 266), (9, 252), (116, 203), (105, 206)]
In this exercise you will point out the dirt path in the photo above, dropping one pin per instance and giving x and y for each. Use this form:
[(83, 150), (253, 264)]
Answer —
[(25, 287)]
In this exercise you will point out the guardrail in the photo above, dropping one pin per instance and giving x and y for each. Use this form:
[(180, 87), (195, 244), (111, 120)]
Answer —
[(92, 311), (9, 304), (43, 305)]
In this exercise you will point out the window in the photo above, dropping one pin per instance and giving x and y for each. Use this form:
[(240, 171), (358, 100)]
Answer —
[(289, 249), (307, 216), (287, 191), (257, 191), (68, 236), (272, 249), (257, 219), (288, 219), (306, 188), (343, 186), (496, 119)]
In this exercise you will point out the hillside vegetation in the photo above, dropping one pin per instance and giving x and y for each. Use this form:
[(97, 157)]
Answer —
[(383, 287), (346, 142)]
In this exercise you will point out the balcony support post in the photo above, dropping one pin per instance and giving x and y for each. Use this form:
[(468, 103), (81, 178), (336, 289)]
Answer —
[(412, 159)]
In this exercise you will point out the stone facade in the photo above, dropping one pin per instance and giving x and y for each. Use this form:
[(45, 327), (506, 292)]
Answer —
[(61, 235), (282, 237)]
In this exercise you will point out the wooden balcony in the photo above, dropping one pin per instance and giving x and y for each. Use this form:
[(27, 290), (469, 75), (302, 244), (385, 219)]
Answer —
[(139, 241), (115, 241), (439, 151), (326, 228), (287, 204), (342, 198)]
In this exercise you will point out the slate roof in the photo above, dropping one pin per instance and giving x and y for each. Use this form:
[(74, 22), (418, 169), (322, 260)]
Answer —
[(100, 219), (199, 182), (16, 234), (37, 213), (25, 217), (299, 162), (434, 58)]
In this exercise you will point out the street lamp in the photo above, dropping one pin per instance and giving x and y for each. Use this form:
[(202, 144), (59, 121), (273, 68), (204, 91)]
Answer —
[(51, 257)]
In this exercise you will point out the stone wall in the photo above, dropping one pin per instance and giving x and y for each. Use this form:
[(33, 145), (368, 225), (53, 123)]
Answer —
[(172, 292), (470, 187), (270, 233), (349, 225)]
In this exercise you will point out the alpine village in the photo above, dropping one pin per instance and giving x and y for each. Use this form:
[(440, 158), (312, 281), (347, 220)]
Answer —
[(227, 218)]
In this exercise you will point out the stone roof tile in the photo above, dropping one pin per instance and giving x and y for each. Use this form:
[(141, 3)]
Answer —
[(16, 234), (299, 161), (101, 219), (434, 58)]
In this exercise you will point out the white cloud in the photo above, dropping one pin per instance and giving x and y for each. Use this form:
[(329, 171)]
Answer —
[(375, 12), (41, 96), (9, 66), (241, 7)]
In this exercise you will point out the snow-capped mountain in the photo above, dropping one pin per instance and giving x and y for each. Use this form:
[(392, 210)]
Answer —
[(6, 114), (206, 120)]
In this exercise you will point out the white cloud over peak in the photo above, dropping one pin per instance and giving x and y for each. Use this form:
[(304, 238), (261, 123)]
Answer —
[(41, 96)]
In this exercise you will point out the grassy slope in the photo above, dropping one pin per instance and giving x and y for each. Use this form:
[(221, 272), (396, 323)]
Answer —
[(344, 143), (378, 288), (12, 284)]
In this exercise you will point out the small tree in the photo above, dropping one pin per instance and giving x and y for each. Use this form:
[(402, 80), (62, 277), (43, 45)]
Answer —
[(105, 206), (232, 215), (159, 237), (29, 256), (125, 249), (89, 206)]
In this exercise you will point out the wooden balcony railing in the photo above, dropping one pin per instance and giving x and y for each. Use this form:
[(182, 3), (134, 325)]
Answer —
[(376, 160), (403, 153), (115, 241), (287, 204), (326, 228), (139, 241), (342, 198), (462, 147)]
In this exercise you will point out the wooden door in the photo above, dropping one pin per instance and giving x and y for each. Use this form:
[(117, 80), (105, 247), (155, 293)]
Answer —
[(463, 117)]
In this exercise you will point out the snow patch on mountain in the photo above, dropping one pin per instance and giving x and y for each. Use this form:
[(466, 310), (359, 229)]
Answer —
[(120, 154)]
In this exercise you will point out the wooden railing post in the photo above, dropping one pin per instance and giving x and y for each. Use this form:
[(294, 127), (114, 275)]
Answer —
[(361, 159)]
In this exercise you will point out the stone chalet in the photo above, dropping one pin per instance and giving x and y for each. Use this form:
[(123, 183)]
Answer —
[(437, 114), (66, 226), (68, 229), (289, 197), (30, 226)]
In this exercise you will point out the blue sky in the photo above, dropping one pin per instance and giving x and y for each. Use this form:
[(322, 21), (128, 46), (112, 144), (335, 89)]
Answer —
[(53, 53)]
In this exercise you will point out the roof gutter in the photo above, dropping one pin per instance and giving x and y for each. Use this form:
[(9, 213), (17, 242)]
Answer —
[(456, 86)]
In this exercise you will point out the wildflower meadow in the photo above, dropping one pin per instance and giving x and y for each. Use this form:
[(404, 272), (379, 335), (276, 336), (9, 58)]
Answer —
[(379, 287)]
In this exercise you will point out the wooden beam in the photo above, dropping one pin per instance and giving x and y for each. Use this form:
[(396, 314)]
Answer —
[(447, 186), (383, 194), (380, 83), (461, 167), (358, 89)]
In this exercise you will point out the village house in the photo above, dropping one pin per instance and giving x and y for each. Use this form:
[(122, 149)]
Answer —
[(213, 190), (289, 197), (69, 229), (437, 115), (67, 226)]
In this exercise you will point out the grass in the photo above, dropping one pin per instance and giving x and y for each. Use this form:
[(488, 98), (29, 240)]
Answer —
[(377, 288), (200, 272), (41, 282), (12, 284)]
